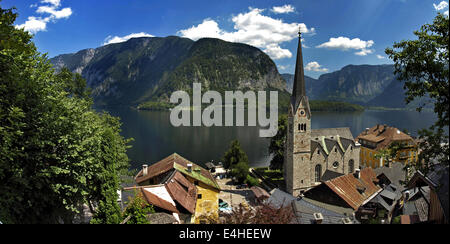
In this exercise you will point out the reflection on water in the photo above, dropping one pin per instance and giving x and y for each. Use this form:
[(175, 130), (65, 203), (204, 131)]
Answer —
[(155, 138)]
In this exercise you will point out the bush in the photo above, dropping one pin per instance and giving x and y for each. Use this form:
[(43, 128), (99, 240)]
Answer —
[(252, 181)]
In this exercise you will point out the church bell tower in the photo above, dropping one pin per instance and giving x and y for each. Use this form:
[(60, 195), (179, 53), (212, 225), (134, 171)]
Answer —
[(298, 139)]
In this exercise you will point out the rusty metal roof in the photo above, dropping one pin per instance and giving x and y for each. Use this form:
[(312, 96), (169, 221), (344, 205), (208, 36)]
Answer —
[(348, 187), (154, 199), (259, 192), (182, 191), (383, 135), (179, 163)]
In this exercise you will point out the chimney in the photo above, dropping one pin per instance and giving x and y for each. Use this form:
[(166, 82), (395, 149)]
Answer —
[(357, 173), (318, 218), (144, 170), (189, 166)]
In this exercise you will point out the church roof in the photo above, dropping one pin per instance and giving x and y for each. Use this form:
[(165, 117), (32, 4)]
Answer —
[(299, 91), (343, 132)]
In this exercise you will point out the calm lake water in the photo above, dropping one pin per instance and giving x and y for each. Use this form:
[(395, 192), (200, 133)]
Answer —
[(155, 138)]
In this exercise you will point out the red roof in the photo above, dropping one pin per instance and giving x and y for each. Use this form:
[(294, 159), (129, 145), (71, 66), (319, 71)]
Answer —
[(355, 192), (182, 191), (383, 135), (159, 202), (168, 164)]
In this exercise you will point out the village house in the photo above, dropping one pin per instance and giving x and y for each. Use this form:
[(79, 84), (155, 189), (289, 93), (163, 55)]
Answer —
[(189, 185), (351, 191), (380, 137), (426, 198), (309, 211), (311, 154)]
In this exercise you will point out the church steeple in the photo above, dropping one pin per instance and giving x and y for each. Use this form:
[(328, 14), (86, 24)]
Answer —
[(299, 77), (299, 90)]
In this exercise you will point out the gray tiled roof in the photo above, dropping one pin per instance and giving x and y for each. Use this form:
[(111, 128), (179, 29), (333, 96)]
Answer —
[(305, 208), (395, 174), (342, 132), (280, 198)]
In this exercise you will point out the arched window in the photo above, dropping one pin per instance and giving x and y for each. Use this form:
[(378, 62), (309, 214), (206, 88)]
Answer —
[(318, 173), (351, 166)]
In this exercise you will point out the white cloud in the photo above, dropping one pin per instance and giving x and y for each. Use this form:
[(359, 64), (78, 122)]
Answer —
[(283, 9), (57, 14), (442, 5), (380, 57), (314, 66), (276, 52), (35, 24), (283, 67), (55, 3), (345, 43), (446, 13), (117, 39), (252, 28)]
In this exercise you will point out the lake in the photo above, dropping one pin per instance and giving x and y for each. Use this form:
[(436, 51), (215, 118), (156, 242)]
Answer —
[(155, 138)]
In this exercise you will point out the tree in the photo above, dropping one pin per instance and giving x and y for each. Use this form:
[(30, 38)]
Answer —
[(234, 155), (56, 152), (137, 210), (422, 65), (240, 171), (277, 144)]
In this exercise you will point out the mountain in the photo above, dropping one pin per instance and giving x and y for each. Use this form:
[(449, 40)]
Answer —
[(151, 68), (355, 83), (369, 85), (311, 84)]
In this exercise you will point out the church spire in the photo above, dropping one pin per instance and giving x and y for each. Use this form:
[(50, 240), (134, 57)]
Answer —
[(299, 78)]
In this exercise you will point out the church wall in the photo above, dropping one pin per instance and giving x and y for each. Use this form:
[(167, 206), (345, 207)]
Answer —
[(335, 156), (317, 158)]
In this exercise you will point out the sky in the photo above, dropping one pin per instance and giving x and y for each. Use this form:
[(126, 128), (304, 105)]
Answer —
[(334, 33)]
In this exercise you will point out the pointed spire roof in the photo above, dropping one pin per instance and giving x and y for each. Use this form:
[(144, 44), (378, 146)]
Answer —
[(299, 90), (299, 77)]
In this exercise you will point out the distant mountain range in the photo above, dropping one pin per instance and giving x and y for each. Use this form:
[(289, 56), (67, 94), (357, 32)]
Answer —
[(368, 85), (149, 69)]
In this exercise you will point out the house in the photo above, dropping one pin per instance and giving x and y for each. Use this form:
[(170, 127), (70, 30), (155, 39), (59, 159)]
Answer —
[(351, 191), (395, 175), (381, 137), (427, 196), (260, 194), (207, 189), (309, 153), (309, 211)]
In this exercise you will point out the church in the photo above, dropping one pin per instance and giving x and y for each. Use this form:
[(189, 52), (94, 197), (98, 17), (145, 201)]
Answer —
[(313, 155)]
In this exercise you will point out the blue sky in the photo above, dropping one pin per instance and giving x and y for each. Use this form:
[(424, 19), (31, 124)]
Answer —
[(336, 33)]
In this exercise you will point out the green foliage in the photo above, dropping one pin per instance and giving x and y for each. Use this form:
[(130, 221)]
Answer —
[(234, 155), (56, 153), (277, 144), (317, 105), (251, 181), (422, 65), (155, 106), (138, 209), (240, 171)]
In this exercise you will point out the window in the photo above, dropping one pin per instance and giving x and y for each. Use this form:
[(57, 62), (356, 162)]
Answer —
[(300, 127), (196, 182), (199, 196), (335, 164), (351, 166), (317, 173)]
